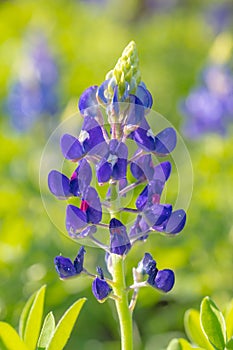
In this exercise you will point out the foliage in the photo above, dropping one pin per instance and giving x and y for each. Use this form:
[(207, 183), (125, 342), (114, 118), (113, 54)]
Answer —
[(31, 335)]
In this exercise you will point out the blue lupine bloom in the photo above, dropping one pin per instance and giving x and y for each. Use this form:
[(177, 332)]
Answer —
[(66, 268), (209, 107), (114, 115), (34, 93), (119, 240), (100, 288), (162, 280)]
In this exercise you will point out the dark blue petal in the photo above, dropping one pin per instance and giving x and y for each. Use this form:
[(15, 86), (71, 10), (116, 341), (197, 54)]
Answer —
[(59, 184), (143, 136), (103, 171), (162, 171), (119, 240), (93, 142), (165, 141), (157, 214), (145, 96), (100, 288), (122, 150), (64, 267), (139, 229), (164, 280), (81, 178), (94, 210), (101, 92), (135, 113), (142, 199), (88, 104), (119, 169), (76, 219), (71, 147), (176, 222), (142, 168), (147, 265), (78, 262)]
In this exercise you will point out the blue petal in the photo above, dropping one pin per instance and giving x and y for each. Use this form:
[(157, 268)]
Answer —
[(100, 92), (78, 262), (88, 104), (162, 171), (100, 289), (176, 222), (81, 178), (164, 280), (119, 240), (136, 111), (142, 199), (59, 184), (76, 220), (71, 147), (119, 169), (64, 267), (165, 141), (94, 143), (103, 171), (94, 210), (145, 96), (142, 168), (157, 214), (147, 264)]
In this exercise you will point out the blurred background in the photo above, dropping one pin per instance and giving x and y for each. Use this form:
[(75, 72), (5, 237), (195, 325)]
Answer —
[(50, 51)]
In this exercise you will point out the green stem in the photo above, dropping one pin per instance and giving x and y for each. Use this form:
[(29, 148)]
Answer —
[(122, 306)]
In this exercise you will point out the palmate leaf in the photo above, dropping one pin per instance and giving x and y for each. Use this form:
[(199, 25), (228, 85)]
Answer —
[(213, 323), (64, 327), (9, 338), (46, 332), (194, 331), (31, 318)]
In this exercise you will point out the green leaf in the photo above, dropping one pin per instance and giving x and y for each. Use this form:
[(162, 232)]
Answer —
[(213, 323), (34, 319), (46, 332), (194, 331), (229, 320), (229, 344), (24, 315), (181, 344), (65, 326), (10, 338)]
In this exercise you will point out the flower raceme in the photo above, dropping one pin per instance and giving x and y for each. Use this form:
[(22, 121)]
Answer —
[(115, 120)]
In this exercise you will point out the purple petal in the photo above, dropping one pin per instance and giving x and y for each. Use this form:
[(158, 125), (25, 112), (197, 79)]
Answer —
[(121, 150), (165, 141), (139, 229), (144, 137), (87, 231), (64, 267), (162, 171), (119, 240), (142, 168), (71, 147), (164, 280), (142, 199), (81, 178), (78, 262), (145, 96), (100, 287), (103, 171), (147, 264), (136, 111), (59, 184), (100, 92), (94, 210), (119, 169), (94, 142), (76, 220), (88, 104), (176, 222), (157, 214)]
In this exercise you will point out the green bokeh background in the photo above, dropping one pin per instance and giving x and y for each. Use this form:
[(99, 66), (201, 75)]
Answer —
[(87, 39)]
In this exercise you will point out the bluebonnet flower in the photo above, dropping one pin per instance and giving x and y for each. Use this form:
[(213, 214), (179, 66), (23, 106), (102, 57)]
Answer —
[(209, 107), (34, 93), (114, 115), (162, 280), (66, 268), (100, 288), (219, 16)]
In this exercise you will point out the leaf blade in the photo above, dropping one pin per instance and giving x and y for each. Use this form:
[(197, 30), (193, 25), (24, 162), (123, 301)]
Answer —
[(229, 320), (213, 323), (34, 319), (10, 338), (47, 331), (65, 326)]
